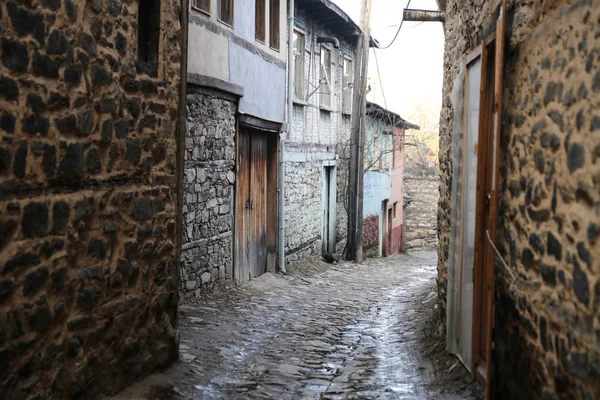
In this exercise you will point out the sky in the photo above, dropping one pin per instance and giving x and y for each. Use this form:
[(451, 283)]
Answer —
[(411, 70)]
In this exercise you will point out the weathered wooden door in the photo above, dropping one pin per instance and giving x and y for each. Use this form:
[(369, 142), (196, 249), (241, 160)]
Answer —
[(251, 205)]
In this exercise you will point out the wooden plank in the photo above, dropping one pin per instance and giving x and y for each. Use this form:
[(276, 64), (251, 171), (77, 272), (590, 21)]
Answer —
[(241, 213), (258, 212)]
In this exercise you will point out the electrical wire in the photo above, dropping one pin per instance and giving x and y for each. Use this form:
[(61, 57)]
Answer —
[(397, 32)]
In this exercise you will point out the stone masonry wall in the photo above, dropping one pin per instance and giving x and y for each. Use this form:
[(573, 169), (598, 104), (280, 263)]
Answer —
[(209, 198), (420, 219), (87, 198), (547, 328)]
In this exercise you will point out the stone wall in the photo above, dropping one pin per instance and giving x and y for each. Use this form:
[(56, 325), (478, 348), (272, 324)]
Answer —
[(421, 196), (371, 234), (547, 336), (209, 200), (87, 198)]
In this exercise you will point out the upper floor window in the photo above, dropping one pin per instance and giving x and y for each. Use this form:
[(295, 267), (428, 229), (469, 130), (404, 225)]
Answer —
[(347, 82), (298, 65), (226, 11), (325, 77), (148, 36), (259, 21), (274, 11), (203, 5)]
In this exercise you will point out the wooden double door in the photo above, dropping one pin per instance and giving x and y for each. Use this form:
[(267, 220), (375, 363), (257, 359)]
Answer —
[(255, 200)]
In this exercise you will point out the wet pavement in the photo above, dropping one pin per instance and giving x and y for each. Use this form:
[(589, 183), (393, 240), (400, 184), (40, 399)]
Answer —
[(366, 331)]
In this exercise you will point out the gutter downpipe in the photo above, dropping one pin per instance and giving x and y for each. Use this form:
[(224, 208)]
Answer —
[(282, 137)]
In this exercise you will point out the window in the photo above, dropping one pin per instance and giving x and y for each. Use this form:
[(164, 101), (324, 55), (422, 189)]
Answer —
[(148, 36), (226, 11), (298, 44), (347, 83), (259, 21), (395, 209), (274, 24), (325, 79), (203, 5)]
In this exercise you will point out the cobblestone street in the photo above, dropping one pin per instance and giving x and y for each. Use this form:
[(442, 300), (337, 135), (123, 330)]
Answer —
[(354, 331)]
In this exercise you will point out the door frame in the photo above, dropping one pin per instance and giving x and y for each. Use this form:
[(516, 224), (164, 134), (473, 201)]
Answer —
[(329, 206)]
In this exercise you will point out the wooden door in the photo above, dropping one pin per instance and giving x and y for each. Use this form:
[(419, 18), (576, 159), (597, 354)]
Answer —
[(251, 206), (329, 210)]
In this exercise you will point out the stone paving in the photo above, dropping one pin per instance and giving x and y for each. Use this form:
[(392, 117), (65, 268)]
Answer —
[(353, 332)]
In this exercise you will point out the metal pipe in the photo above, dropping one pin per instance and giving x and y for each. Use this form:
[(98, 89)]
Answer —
[(282, 138), (423, 15)]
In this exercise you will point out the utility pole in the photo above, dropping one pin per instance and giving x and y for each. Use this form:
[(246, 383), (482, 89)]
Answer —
[(357, 138)]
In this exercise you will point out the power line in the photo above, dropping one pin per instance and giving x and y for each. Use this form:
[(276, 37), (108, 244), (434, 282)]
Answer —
[(397, 32)]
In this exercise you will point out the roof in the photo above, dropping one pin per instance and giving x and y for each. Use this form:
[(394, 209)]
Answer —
[(375, 110), (334, 18)]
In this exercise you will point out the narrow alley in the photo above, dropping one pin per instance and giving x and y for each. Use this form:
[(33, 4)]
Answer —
[(353, 331)]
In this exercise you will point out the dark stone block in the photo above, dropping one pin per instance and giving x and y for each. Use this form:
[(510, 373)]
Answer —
[(107, 106), (35, 102), (548, 274), (107, 128), (579, 365), (596, 82), (7, 227), (569, 98), (71, 9), (538, 215), (595, 124), (35, 124), (579, 119), (67, 124), (49, 248), (20, 161), (21, 260), (527, 258), (49, 159), (57, 43), (6, 289), (45, 66), (131, 85), (122, 129), (584, 254), (133, 105), (85, 120), (97, 248), (575, 157), (113, 155), (35, 220), (121, 44), (550, 93), (114, 8), (84, 208), (87, 43), (34, 281), (142, 209), (40, 319), (72, 75), (536, 242), (543, 333), (148, 86), (582, 92), (78, 323), (514, 188), (9, 89), (557, 118), (93, 162), (593, 231), (59, 277), (58, 101), (128, 270), (51, 4), (88, 298), (15, 56), (134, 151), (96, 5), (580, 283), (27, 22), (149, 121), (100, 76), (546, 63), (5, 159), (96, 273), (554, 247), (72, 160), (541, 124), (540, 162)]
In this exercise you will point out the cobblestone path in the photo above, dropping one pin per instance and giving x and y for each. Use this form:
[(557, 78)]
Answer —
[(354, 331)]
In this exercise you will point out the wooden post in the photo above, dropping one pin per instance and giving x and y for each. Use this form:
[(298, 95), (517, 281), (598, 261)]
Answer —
[(355, 174)]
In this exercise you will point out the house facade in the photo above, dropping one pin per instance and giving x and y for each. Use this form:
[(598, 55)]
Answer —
[(89, 99), (317, 149), (520, 172), (383, 181), (237, 52)]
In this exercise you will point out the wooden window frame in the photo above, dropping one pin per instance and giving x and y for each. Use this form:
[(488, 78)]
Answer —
[(275, 24), (328, 83), (220, 18), (347, 90), (299, 72), (260, 21), (196, 7)]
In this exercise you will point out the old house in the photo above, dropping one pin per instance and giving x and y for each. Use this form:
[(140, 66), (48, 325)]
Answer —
[(237, 53), (88, 202), (316, 149), (520, 169), (383, 181)]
